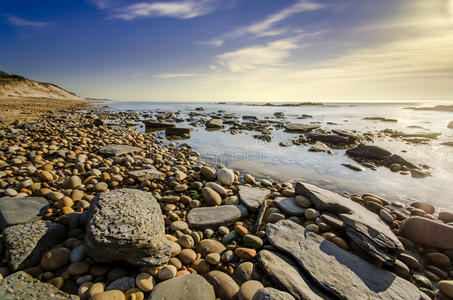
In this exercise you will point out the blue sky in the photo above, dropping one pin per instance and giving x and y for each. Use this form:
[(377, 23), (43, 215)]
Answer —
[(238, 50)]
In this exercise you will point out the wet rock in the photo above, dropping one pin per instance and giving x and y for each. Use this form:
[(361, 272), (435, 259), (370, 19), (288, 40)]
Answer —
[(446, 286), (26, 243), (271, 294), (333, 139), (21, 210), (158, 124), (180, 132), (20, 285), (225, 176), (126, 224), (214, 123), (252, 197), (323, 260), (187, 287), (213, 217), (248, 289), (365, 228), (224, 286), (427, 232), (290, 206), (299, 127), (117, 150), (319, 147), (286, 275), (369, 152), (354, 167)]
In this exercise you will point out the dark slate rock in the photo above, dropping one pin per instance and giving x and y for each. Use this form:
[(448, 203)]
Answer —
[(26, 243), (299, 127), (368, 152), (213, 217), (271, 294), (282, 271), (20, 285), (252, 197), (127, 224), (289, 206), (21, 210), (339, 272), (364, 227), (333, 139), (187, 287), (117, 150)]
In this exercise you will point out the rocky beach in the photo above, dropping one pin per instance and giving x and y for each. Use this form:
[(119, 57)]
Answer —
[(93, 207)]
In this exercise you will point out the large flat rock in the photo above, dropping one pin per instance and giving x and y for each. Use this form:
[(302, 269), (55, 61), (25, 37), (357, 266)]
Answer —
[(213, 217), (428, 232), (144, 174), (20, 285), (285, 274), (337, 271), (363, 226), (300, 127), (117, 150), (21, 210), (187, 287), (252, 197), (127, 224), (289, 206), (26, 243)]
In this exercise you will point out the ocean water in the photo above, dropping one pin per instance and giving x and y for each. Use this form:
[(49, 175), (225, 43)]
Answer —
[(269, 160)]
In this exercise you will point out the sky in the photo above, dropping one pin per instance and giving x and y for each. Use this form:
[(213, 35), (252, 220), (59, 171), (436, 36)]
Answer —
[(233, 50)]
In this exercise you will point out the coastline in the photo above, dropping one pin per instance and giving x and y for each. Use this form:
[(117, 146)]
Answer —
[(218, 223)]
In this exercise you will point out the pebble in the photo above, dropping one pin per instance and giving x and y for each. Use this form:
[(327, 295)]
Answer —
[(248, 289), (78, 268), (438, 259), (386, 216), (446, 287), (252, 241), (109, 295), (249, 179), (145, 282), (175, 248), (55, 259), (77, 254), (245, 253), (211, 197), (311, 214), (275, 217), (96, 288), (303, 201), (123, 284), (167, 272), (179, 225), (225, 176), (187, 256), (102, 187), (213, 258), (186, 241), (201, 265)]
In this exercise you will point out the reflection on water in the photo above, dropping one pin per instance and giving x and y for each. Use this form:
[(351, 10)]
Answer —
[(269, 160)]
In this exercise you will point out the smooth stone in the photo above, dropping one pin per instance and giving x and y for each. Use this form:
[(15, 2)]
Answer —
[(386, 216), (271, 294), (319, 147), (299, 127), (186, 241), (96, 288), (427, 232), (167, 272), (175, 248), (207, 246), (25, 244), (302, 201), (117, 150), (208, 172), (21, 285), (438, 259), (187, 256), (248, 289), (246, 271), (123, 284), (252, 241), (126, 224), (55, 259), (400, 269), (78, 268), (145, 282), (147, 174), (72, 182), (446, 216), (213, 217), (283, 272), (213, 258), (446, 287), (289, 206), (225, 176), (187, 287), (211, 197), (77, 254), (218, 188), (249, 179), (427, 208), (179, 225), (365, 228), (224, 286), (311, 214), (252, 197), (323, 260), (21, 210), (109, 295)]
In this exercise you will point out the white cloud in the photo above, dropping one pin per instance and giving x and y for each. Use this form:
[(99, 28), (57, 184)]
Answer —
[(175, 75), (20, 22), (265, 27), (249, 58), (177, 9)]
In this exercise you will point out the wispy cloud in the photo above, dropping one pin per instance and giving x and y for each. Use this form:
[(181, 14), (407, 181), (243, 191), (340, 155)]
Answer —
[(185, 9), (175, 75), (249, 58), (20, 22), (265, 27)]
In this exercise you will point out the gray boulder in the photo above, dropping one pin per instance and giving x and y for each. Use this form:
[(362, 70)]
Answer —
[(364, 227), (252, 197), (127, 224), (213, 217), (20, 285), (333, 139), (26, 243), (117, 150), (187, 287), (271, 294), (337, 271), (21, 210)]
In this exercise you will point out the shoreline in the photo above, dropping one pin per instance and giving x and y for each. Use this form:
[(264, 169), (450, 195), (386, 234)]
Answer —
[(216, 222)]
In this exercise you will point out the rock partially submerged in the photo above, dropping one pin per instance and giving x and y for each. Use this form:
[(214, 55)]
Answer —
[(21, 210), (364, 227), (213, 217), (337, 271), (214, 124), (127, 224), (300, 127), (428, 232), (20, 285), (26, 243), (158, 124), (179, 132)]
